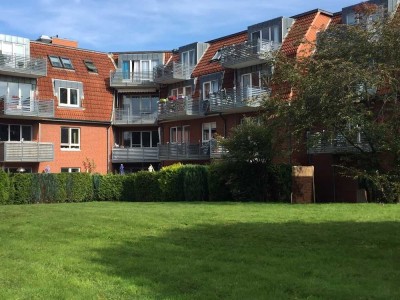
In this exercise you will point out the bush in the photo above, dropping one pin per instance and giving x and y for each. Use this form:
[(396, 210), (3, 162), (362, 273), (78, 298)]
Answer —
[(218, 189), (79, 187), (21, 187), (44, 188), (147, 186), (128, 188), (110, 187), (4, 188), (195, 184), (171, 183), (280, 183)]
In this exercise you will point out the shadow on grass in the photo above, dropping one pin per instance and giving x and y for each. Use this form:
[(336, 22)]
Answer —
[(263, 261)]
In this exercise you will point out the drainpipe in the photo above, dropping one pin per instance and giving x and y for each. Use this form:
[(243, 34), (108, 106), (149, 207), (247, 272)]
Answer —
[(222, 117)]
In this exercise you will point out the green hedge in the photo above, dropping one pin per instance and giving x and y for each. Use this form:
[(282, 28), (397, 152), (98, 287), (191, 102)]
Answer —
[(221, 181), (147, 186)]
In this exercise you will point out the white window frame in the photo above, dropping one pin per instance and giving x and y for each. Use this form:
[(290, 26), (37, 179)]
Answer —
[(210, 128), (171, 135), (70, 145), (70, 170), (213, 88), (68, 104)]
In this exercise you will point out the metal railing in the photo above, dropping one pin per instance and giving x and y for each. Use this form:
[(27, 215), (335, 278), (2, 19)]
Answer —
[(185, 151), (126, 78), (172, 73), (23, 66), (247, 53), (142, 154), (185, 107), (320, 143), (15, 106), (228, 99), (126, 116), (26, 151)]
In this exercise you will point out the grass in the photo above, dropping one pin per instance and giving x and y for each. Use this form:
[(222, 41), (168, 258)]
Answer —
[(199, 251)]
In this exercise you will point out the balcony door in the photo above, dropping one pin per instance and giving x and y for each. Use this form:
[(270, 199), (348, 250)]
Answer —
[(138, 71), (246, 85), (18, 95)]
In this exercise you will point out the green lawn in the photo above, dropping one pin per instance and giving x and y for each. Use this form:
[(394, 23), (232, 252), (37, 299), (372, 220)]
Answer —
[(199, 251)]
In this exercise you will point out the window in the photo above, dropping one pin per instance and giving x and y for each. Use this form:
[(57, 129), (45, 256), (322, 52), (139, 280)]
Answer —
[(175, 135), (209, 88), (217, 56), (67, 63), (209, 131), (70, 138), (61, 62), (55, 61), (174, 92), (15, 132), (70, 170), (187, 91), (90, 66), (140, 139), (188, 58), (69, 97)]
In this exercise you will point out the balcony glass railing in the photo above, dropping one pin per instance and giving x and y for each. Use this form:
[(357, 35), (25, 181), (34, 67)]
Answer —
[(26, 151), (15, 106), (247, 53), (228, 99), (175, 108), (172, 73), (124, 78), (320, 142), (141, 117), (23, 66)]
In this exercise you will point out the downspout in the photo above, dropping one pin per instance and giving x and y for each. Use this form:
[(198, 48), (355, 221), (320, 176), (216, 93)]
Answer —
[(222, 117)]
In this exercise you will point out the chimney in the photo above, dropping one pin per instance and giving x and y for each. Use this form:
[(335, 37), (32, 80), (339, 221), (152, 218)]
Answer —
[(63, 42)]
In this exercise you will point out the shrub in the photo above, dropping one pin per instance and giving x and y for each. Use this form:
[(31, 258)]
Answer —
[(171, 183), (110, 187), (147, 187), (128, 188), (21, 187), (195, 184), (44, 188), (218, 176), (280, 182), (79, 187), (4, 188)]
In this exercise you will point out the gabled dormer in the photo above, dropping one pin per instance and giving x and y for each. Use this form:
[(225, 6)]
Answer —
[(375, 9), (262, 39), (135, 69), (182, 64)]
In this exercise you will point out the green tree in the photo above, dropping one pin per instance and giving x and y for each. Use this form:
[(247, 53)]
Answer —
[(346, 96)]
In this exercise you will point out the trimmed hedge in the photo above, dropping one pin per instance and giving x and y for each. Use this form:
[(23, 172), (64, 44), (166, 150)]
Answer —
[(221, 181), (147, 186)]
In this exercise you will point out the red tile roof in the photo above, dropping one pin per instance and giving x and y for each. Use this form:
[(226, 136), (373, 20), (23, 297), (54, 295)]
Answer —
[(98, 96), (205, 66), (304, 29), (337, 19)]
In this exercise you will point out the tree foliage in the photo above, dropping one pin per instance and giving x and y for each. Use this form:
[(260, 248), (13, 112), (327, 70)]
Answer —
[(346, 91)]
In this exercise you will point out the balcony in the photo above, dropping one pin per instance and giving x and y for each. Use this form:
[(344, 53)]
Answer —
[(247, 54), (171, 73), (26, 152), (121, 78), (236, 100), (183, 151), (20, 66), (127, 155), (14, 106), (127, 117), (180, 109), (321, 143)]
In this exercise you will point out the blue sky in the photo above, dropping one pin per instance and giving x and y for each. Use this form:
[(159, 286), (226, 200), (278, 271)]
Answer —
[(138, 25)]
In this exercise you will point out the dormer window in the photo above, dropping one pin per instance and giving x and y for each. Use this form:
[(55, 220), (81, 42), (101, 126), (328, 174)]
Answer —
[(188, 58), (217, 56), (90, 66), (67, 63), (55, 61), (61, 62)]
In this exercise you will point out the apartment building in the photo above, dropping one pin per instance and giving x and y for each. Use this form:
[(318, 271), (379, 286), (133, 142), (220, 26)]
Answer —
[(56, 106), (63, 107)]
